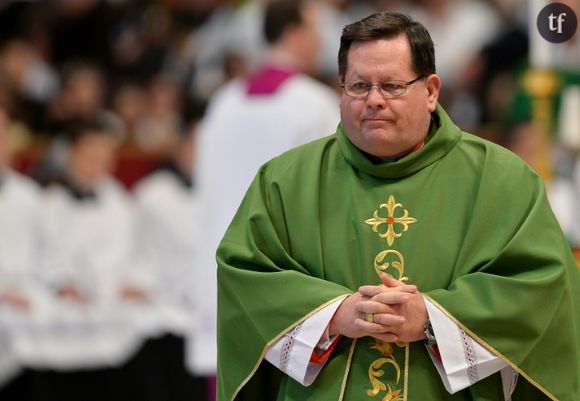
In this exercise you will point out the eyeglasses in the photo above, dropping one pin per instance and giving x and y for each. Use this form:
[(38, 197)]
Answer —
[(389, 89)]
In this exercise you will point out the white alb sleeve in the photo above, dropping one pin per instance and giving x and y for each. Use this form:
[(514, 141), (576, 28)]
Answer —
[(291, 354), (463, 361)]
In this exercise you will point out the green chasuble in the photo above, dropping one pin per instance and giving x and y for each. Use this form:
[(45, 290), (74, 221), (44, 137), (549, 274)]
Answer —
[(465, 220)]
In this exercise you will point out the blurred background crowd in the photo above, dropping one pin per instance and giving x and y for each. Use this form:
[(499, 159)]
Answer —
[(101, 102)]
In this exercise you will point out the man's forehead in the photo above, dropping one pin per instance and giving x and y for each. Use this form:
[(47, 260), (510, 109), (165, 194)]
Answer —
[(388, 43), (392, 52)]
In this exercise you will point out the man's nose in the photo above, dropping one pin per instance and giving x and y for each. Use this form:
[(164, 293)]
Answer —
[(375, 98)]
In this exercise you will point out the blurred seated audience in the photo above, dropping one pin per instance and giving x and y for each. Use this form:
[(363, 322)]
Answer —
[(167, 212)]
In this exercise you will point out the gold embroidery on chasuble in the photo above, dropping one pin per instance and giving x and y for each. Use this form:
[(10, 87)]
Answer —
[(390, 261), (390, 220)]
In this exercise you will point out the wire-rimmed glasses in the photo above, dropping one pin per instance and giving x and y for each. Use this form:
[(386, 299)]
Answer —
[(389, 89)]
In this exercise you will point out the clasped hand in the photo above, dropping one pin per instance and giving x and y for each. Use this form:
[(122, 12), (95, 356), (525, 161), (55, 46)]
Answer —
[(398, 312)]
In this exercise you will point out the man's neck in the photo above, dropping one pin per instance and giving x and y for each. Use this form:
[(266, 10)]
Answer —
[(80, 182), (281, 58)]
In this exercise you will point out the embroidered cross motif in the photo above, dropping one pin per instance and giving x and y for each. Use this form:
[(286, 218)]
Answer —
[(390, 220)]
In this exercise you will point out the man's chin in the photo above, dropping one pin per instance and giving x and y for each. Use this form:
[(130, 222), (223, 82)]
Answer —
[(380, 147), (381, 137), (377, 124)]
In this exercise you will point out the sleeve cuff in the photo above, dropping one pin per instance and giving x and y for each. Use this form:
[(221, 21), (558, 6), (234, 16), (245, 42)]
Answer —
[(460, 360), (294, 352)]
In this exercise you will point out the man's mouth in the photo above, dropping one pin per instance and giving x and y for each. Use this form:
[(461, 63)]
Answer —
[(377, 120)]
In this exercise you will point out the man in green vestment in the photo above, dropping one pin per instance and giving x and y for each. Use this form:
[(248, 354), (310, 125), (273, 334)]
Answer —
[(399, 258)]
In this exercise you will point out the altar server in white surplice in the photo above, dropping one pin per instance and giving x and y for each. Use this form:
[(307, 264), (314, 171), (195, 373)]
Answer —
[(167, 210), (247, 123), (21, 294), (88, 247)]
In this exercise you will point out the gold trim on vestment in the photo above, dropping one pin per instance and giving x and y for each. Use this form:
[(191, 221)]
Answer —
[(406, 383), (347, 369), (491, 349), (277, 338)]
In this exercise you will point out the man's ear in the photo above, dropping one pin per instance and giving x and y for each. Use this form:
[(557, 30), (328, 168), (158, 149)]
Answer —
[(433, 84)]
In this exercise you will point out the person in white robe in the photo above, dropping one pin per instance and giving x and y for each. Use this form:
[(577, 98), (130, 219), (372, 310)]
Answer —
[(248, 122), (167, 209), (87, 233), (22, 297)]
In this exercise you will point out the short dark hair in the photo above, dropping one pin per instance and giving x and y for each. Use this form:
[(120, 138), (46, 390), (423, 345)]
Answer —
[(279, 16), (387, 25), (76, 129)]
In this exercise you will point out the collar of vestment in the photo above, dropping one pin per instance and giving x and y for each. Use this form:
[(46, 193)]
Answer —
[(77, 192), (268, 80), (182, 178), (443, 135)]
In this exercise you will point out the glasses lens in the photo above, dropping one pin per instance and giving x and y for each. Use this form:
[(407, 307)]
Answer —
[(393, 88), (361, 89), (357, 89)]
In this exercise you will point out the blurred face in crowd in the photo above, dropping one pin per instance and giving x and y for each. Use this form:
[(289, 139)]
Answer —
[(312, 40), (83, 94), (306, 38), (92, 157), (16, 59), (387, 126), (129, 104), (163, 97)]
